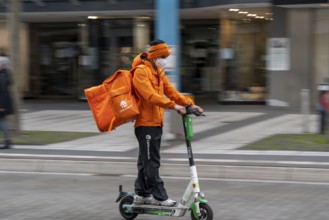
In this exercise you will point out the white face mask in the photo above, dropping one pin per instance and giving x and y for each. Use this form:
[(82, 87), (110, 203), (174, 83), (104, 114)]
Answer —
[(161, 62)]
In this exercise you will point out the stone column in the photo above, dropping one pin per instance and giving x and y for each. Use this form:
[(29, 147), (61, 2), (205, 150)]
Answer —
[(286, 85), (226, 47), (141, 34), (14, 8)]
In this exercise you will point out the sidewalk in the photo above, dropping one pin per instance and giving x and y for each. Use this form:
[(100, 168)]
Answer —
[(223, 128), (217, 138)]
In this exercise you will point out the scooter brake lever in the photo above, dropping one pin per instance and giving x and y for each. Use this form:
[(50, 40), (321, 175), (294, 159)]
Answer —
[(200, 114)]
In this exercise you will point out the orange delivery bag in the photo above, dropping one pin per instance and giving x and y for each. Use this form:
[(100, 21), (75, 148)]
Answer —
[(114, 102)]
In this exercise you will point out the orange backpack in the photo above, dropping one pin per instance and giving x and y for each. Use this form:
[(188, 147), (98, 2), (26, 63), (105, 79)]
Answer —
[(114, 102)]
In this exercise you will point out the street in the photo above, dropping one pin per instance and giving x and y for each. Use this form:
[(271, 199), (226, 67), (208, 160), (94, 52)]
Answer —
[(42, 196)]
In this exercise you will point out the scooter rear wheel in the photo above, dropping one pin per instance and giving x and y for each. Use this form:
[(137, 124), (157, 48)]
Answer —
[(206, 212), (127, 200)]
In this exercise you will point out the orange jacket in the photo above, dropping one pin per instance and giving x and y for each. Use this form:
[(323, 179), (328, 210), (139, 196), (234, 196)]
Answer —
[(151, 88)]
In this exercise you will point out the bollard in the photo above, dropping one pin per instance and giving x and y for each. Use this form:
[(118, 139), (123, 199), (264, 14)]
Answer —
[(305, 109)]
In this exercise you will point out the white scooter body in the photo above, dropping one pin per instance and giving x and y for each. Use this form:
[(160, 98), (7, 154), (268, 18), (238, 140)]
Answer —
[(130, 211)]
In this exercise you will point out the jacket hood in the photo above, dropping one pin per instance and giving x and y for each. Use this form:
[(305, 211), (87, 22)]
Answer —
[(139, 59)]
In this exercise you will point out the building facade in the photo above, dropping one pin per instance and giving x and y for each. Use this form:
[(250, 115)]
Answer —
[(239, 51)]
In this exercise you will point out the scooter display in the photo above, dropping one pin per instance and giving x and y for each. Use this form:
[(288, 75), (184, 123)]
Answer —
[(200, 210)]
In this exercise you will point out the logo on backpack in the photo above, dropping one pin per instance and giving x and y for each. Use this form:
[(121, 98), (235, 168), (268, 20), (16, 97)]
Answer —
[(123, 104)]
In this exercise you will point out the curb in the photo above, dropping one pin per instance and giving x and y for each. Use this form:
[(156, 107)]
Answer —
[(167, 169)]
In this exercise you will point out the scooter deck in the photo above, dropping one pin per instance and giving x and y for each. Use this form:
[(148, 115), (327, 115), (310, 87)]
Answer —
[(155, 210)]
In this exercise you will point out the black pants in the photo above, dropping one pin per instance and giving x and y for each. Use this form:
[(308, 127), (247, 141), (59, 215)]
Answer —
[(4, 128), (148, 181)]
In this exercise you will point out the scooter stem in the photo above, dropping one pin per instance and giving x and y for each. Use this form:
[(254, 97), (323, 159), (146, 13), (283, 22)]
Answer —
[(188, 142)]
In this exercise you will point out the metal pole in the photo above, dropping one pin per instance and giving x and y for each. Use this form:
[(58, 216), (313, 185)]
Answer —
[(14, 8), (167, 29), (305, 109)]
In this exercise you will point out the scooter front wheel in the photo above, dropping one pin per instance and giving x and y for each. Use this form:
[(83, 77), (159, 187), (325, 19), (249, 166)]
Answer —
[(127, 200), (206, 212)]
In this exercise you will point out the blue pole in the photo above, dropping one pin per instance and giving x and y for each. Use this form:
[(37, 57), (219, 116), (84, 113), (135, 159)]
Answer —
[(167, 29)]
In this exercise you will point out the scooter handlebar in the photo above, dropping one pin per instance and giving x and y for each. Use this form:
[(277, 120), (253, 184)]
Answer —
[(193, 111)]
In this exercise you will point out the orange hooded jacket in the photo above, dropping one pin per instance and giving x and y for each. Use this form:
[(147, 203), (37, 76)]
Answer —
[(151, 88)]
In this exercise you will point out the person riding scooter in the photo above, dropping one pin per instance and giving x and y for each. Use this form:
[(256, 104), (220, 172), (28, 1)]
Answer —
[(155, 93)]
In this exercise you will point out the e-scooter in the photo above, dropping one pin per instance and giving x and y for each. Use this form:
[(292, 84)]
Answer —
[(199, 208)]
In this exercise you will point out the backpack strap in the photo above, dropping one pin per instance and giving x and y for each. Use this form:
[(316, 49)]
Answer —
[(146, 69), (142, 66)]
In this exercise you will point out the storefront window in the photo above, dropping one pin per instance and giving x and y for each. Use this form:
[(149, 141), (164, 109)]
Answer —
[(199, 66), (243, 58), (54, 70)]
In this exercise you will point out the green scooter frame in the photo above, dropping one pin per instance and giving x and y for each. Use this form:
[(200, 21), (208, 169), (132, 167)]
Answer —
[(200, 210)]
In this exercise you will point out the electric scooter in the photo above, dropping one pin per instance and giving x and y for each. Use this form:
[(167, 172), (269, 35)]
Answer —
[(199, 208)]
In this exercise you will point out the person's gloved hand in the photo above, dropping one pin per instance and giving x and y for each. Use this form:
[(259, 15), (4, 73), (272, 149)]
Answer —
[(180, 109), (198, 108)]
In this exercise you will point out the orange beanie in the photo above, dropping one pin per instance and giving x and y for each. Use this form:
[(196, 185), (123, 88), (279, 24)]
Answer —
[(159, 50)]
